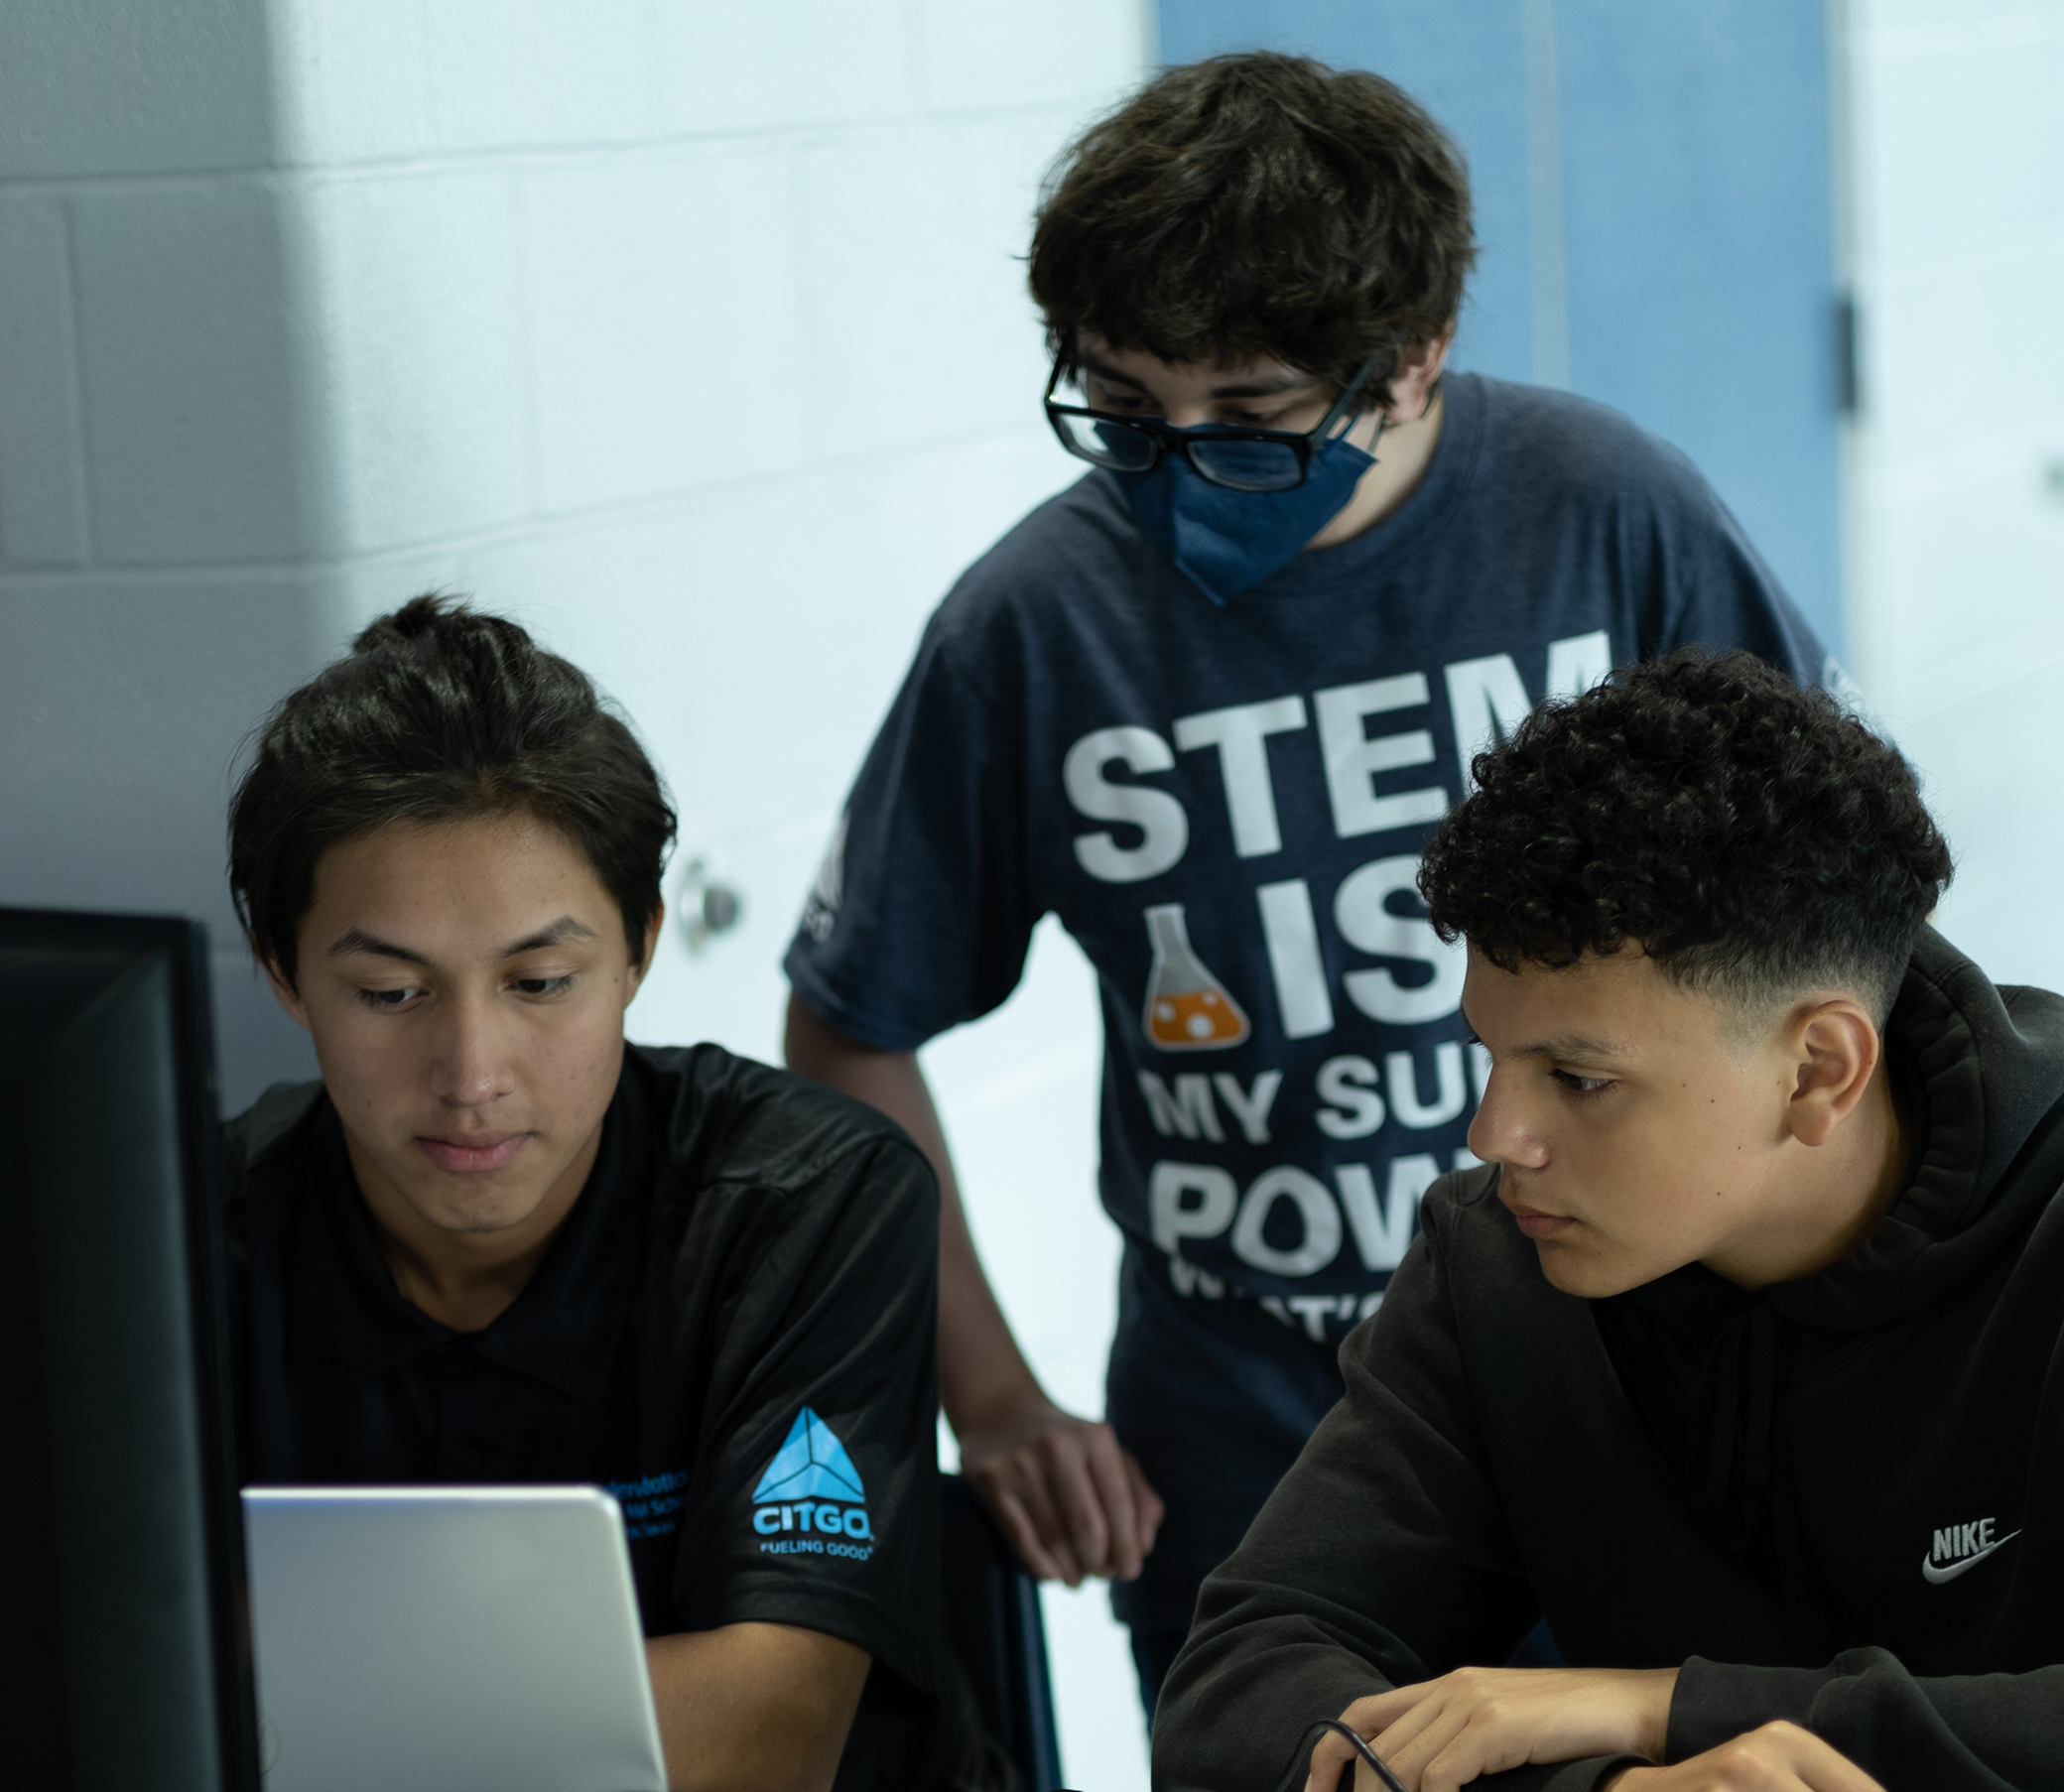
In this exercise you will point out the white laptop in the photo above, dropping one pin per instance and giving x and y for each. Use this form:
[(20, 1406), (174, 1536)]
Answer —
[(447, 1639)]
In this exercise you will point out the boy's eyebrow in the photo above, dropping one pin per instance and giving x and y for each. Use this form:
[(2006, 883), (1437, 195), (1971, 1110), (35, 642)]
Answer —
[(565, 927), (1567, 1045), (1558, 1045), (1104, 370), (357, 940), (1266, 388)]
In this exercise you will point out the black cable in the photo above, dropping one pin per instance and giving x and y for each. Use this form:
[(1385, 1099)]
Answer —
[(1301, 1761)]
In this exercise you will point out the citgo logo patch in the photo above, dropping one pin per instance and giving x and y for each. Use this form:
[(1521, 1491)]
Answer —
[(810, 1502)]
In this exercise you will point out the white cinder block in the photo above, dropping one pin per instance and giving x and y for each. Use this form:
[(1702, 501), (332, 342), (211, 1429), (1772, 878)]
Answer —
[(1968, 757), (133, 86), (801, 612), (122, 708), (722, 67), (756, 635), (1964, 571), (531, 73), (1963, 134), (185, 340), (665, 325), (427, 416), (1965, 347), (1949, 21), (353, 80), (1064, 51), (121, 711), (922, 325), (42, 499)]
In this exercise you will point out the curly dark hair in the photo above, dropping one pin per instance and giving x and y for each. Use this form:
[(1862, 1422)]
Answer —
[(440, 713), (1256, 206), (1752, 837)]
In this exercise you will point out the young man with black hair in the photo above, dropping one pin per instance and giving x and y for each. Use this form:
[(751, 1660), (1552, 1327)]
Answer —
[(497, 1244), (1205, 706), (1742, 1357)]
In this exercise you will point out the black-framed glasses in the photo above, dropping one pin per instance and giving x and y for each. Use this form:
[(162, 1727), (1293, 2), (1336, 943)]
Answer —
[(1239, 459)]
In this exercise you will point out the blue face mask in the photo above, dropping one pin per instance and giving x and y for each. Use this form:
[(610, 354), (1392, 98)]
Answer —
[(1226, 541)]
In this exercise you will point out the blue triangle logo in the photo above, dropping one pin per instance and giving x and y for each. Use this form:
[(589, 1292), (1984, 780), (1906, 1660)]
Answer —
[(810, 1465)]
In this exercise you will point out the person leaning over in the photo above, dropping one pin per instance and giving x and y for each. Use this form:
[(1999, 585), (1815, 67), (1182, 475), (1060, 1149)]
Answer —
[(1205, 706), (494, 1243), (1741, 1359)]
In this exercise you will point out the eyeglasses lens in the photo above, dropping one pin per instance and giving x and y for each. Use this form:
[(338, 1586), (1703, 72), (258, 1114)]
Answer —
[(1247, 465), (1114, 444)]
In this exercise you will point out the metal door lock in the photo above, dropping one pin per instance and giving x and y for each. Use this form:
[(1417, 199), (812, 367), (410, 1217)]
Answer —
[(705, 905)]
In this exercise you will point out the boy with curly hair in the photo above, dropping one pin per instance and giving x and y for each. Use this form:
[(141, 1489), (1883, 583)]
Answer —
[(1205, 706), (1737, 1359)]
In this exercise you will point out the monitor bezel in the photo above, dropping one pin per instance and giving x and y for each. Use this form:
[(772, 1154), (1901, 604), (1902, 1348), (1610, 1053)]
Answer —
[(182, 946)]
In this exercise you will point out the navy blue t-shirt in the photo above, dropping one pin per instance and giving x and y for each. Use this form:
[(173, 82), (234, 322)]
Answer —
[(1226, 807)]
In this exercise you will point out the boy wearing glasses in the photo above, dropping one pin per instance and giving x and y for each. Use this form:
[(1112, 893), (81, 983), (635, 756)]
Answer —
[(1206, 706)]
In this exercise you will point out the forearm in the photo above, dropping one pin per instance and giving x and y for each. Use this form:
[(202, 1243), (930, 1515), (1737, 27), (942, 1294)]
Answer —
[(982, 1374), (1068, 1498), (755, 1708)]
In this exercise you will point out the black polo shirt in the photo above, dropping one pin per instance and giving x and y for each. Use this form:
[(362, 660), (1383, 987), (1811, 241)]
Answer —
[(734, 1332)]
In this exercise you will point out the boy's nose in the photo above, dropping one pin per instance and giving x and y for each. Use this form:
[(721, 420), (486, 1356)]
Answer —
[(470, 1068), (1501, 1132)]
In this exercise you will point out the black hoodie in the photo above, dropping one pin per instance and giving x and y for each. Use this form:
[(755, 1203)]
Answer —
[(1839, 1502)]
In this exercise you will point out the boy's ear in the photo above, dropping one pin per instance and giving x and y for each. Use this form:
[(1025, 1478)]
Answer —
[(1411, 386), (284, 993), (1837, 1049)]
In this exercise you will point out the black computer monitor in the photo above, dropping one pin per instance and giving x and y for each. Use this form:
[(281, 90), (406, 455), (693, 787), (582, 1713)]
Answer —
[(125, 1663)]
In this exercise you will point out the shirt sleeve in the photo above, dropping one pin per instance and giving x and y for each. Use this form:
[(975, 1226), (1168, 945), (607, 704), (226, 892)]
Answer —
[(1389, 1526), (1903, 1730), (1722, 594), (922, 915), (813, 1498)]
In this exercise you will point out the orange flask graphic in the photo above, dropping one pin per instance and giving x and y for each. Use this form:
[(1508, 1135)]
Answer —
[(1187, 1008)]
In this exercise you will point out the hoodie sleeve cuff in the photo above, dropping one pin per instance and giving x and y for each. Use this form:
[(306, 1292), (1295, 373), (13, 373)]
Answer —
[(1563, 1776), (1715, 1703)]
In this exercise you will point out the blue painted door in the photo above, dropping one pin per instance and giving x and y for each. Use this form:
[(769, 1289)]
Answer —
[(1653, 201)]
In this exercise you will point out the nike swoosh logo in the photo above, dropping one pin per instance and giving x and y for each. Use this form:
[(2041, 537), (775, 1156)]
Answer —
[(1936, 1576)]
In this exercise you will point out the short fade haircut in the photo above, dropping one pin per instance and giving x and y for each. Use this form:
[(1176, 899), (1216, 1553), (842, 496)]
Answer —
[(1754, 839), (1258, 207), (440, 714)]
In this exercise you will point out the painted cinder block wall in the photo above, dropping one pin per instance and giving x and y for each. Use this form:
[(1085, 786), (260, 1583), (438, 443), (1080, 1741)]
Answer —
[(160, 492), (690, 333)]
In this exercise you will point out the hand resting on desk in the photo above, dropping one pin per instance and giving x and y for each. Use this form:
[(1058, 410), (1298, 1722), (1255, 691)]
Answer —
[(1440, 1734)]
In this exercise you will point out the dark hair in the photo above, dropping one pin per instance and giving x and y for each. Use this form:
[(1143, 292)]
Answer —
[(439, 713), (1752, 837), (1256, 206)]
